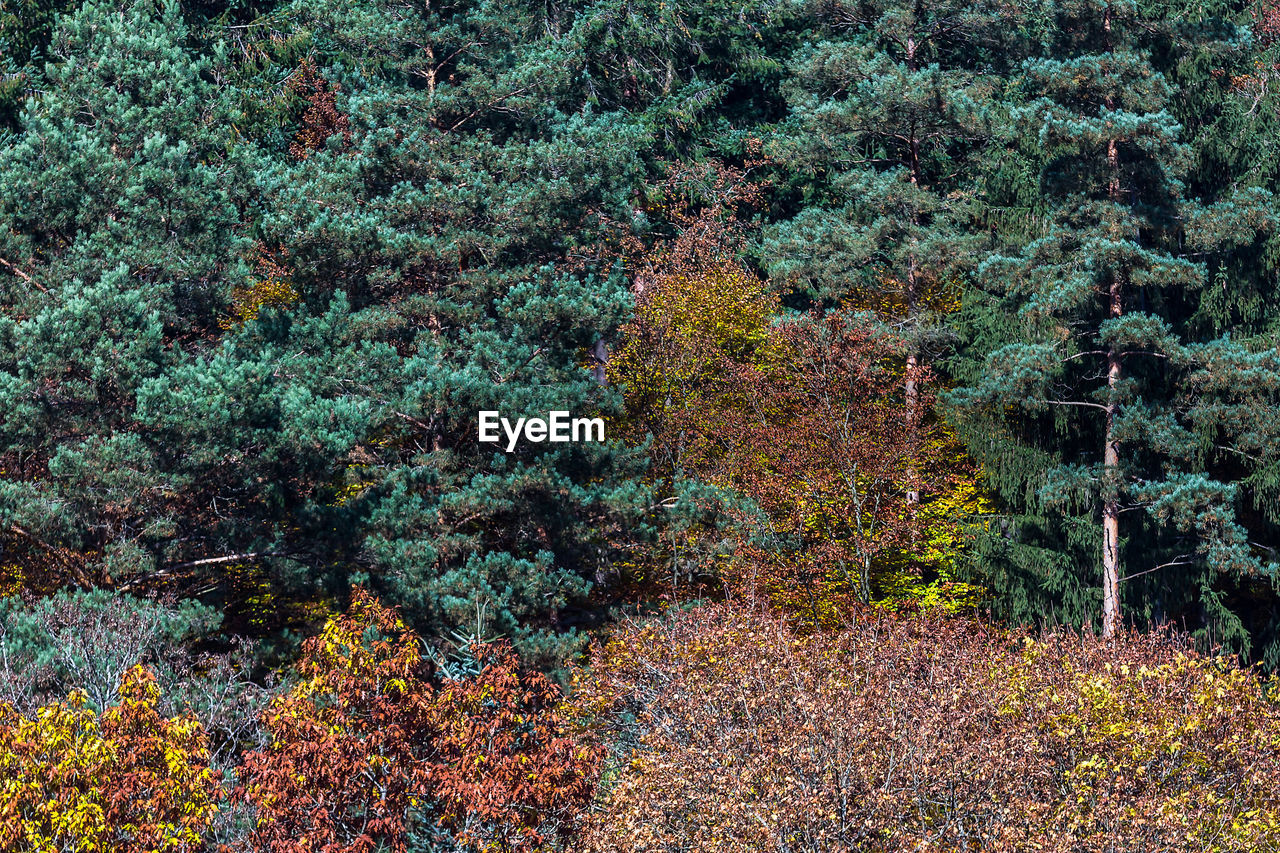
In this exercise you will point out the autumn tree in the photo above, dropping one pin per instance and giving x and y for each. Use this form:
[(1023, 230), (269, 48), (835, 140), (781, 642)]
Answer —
[(125, 779), (796, 421), (371, 750), (700, 314), (816, 439)]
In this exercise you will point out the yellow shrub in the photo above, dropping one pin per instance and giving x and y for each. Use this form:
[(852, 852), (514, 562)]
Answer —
[(126, 782)]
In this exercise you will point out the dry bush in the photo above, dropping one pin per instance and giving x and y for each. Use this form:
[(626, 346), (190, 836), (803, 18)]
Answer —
[(322, 118), (926, 733)]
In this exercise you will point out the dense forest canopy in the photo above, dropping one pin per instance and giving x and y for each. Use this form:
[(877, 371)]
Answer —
[(959, 307), (265, 265)]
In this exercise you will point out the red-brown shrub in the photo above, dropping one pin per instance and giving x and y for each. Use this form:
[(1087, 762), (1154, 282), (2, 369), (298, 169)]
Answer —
[(926, 733), (370, 747)]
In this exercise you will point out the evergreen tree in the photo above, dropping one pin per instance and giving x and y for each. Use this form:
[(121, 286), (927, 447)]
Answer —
[(891, 111), (440, 216), (117, 242), (25, 28), (701, 75), (1107, 418), (226, 351), (1230, 111)]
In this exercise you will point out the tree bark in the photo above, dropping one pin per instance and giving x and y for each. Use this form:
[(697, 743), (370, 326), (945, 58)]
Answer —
[(1111, 450), (1111, 501), (911, 388)]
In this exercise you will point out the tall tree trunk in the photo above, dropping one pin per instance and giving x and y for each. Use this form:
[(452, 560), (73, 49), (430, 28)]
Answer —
[(1111, 500), (1111, 450), (911, 387)]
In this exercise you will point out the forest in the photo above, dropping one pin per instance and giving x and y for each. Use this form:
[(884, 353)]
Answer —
[(451, 426)]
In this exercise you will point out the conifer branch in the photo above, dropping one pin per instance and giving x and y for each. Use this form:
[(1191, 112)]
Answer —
[(1180, 560), (22, 275), (1075, 403)]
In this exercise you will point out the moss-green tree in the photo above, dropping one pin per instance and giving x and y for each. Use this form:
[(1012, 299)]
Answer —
[(1116, 426)]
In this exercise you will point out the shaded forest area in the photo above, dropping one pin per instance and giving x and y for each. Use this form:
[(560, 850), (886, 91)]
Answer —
[(938, 351)]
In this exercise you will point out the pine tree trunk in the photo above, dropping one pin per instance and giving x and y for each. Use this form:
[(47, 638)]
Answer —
[(1111, 503), (911, 386), (1111, 452)]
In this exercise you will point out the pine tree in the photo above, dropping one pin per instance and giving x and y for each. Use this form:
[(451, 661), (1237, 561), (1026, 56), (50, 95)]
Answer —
[(25, 29), (701, 75), (1107, 418), (890, 113), (440, 212), (252, 324), (117, 240)]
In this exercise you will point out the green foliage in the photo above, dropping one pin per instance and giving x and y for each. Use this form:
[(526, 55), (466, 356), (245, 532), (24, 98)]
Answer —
[(1091, 333), (261, 265), (430, 251), (115, 259), (697, 75), (263, 262), (439, 254), (890, 108)]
